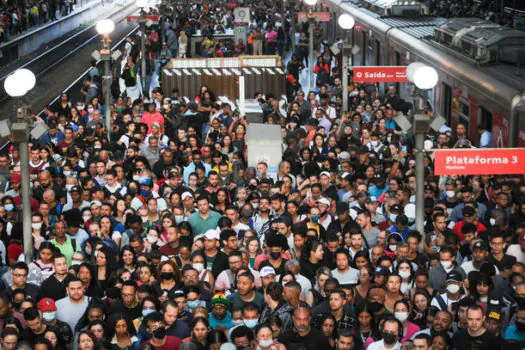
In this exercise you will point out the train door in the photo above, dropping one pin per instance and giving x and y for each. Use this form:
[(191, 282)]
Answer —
[(446, 103), (464, 112), (484, 119)]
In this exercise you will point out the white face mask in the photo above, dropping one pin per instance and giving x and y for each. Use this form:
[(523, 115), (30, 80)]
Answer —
[(144, 219), (374, 143), (69, 187), (76, 262), (452, 288), (492, 221), (49, 316), (136, 177), (198, 266), (36, 225), (152, 239), (401, 316), (90, 110), (67, 173), (265, 343), (404, 274), (450, 194), (166, 106), (179, 219), (80, 107), (392, 247), (446, 264), (86, 218)]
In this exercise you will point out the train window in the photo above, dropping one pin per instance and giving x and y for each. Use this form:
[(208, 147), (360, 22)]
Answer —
[(485, 118), (464, 112), (447, 103)]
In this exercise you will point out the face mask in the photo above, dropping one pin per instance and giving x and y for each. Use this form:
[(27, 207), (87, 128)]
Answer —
[(250, 323), (401, 316), (67, 173), (393, 217), (246, 213), (255, 206), (275, 255), (452, 288), (97, 147), (144, 193), (160, 332), (265, 343), (520, 326), (450, 194), (389, 338), (144, 219), (90, 110), (179, 219), (192, 304), (166, 106), (76, 262), (147, 312), (69, 187), (374, 143), (198, 266), (166, 275), (9, 207), (392, 247), (49, 316), (315, 218), (136, 177), (80, 107), (492, 221), (404, 274), (152, 239), (446, 264), (36, 225)]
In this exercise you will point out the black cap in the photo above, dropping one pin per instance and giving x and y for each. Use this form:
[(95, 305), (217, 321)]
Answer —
[(341, 208), (266, 182), (75, 189), (397, 208), (468, 212), (454, 276), (429, 188), (381, 271), (480, 245), (95, 189), (378, 176)]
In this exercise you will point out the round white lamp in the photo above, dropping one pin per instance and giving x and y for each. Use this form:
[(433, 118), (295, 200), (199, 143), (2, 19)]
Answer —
[(27, 76), (105, 26), (19, 83), (411, 68), (310, 2), (425, 78), (346, 21)]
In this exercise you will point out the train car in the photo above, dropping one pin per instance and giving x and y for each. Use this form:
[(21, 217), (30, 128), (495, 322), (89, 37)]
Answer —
[(480, 64)]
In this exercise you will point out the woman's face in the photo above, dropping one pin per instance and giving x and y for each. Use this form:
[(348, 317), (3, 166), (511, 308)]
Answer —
[(52, 338), (200, 331), (420, 302), (264, 334), (242, 194), (101, 258), (298, 241), (85, 342), (46, 255), (328, 327), (393, 284), (121, 206), (401, 308), (193, 181), (404, 267), (253, 247), (127, 257), (98, 331), (439, 343), (121, 327), (364, 275), (167, 268), (321, 281), (360, 262), (482, 289), (221, 196), (144, 275)]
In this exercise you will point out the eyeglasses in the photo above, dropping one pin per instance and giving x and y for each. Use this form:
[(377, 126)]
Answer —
[(191, 277)]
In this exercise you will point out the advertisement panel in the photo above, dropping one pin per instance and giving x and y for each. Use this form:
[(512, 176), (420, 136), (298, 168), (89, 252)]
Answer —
[(480, 161)]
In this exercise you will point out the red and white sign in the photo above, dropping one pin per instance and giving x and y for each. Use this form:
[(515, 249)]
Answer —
[(481, 161), (380, 74), (154, 19), (319, 16)]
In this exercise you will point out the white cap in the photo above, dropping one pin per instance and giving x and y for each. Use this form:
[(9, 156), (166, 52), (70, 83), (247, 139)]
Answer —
[(186, 195), (410, 210), (325, 173), (266, 271), (324, 201), (343, 155), (97, 203), (212, 234)]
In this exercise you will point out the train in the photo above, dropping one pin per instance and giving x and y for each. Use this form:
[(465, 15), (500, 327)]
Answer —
[(481, 65)]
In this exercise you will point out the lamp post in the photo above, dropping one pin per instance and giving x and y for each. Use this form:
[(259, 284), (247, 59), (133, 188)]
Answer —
[(346, 22), (425, 78), (17, 85), (293, 24), (311, 23), (105, 27), (142, 4)]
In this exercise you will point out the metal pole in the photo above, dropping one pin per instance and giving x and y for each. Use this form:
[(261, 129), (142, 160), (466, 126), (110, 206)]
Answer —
[(311, 49), (292, 12), (142, 23), (107, 103), (26, 201), (420, 177), (344, 72)]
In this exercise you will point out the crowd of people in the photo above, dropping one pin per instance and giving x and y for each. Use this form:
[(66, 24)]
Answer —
[(165, 238)]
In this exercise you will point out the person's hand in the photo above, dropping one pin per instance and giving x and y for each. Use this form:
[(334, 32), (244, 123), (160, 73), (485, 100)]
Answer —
[(221, 328)]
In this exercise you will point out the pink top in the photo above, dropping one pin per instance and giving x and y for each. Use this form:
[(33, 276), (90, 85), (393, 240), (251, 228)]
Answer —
[(411, 330)]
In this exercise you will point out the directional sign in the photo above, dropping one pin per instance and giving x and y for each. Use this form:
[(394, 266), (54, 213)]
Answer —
[(381, 74), (479, 161), (153, 19), (319, 16)]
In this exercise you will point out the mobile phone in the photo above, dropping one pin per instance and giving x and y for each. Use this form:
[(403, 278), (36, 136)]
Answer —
[(404, 148)]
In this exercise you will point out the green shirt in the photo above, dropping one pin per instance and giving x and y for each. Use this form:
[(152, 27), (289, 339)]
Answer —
[(236, 303), (200, 225), (67, 248)]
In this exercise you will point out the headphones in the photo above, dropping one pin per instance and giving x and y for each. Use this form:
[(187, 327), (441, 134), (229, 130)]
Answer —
[(399, 326)]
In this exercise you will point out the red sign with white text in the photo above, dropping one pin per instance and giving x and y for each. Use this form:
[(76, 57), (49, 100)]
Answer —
[(154, 19), (319, 16), (380, 74), (480, 161)]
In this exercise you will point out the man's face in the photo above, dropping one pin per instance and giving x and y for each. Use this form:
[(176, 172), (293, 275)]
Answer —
[(75, 291), (441, 322), (336, 302), (35, 325), (341, 261), (301, 320), (440, 223), (356, 241), (19, 277), (170, 316), (475, 320), (129, 295), (60, 266), (345, 343), (420, 344), (204, 207), (479, 255)]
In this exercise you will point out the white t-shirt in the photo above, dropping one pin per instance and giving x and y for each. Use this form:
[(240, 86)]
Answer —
[(349, 277), (380, 345), (515, 251)]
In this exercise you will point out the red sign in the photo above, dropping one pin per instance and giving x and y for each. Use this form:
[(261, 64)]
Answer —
[(381, 74), (152, 18), (319, 16), (480, 161)]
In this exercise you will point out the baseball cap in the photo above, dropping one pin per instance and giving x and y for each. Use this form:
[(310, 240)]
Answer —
[(397, 208), (324, 201), (494, 313), (370, 200), (453, 276), (343, 155), (186, 195), (95, 203), (480, 245), (145, 181), (16, 178), (47, 305), (326, 173), (382, 271), (267, 271), (341, 208), (75, 189), (266, 181), (429, 188), (468, 212), (212, 234), (378, 176)]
